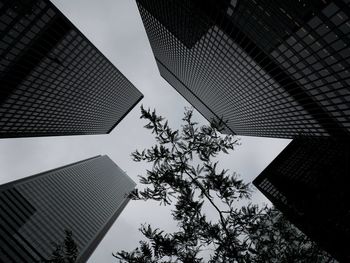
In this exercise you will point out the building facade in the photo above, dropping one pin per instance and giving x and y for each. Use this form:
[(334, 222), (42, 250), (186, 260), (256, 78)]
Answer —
[(53, 80), (273, 69), (85, 197), (309, 182)]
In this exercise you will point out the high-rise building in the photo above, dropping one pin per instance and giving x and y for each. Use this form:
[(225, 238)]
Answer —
[(270, 68), (85, 198), (53, 80), (274, 69), (309, 182)]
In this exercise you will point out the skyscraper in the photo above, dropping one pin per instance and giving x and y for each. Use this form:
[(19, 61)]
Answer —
[(53, 80), (85, 197), (309, 182), (275, 69)]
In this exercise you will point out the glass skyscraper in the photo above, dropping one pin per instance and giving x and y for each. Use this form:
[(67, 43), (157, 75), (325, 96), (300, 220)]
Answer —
[(309, 182), (274, 69), (53, 80), (85, 197)]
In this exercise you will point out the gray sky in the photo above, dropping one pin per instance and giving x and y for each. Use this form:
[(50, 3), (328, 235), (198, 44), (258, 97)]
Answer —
[(115, 28)]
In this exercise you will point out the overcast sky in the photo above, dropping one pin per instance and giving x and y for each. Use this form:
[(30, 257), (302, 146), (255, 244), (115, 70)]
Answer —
[(115, 28)]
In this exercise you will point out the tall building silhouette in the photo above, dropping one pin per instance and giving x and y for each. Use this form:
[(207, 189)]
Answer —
[(274, 69), (309, 182), (85, 197), (53, 80)]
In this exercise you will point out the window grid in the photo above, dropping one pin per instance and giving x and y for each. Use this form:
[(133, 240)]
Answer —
[(55, 82), (233, 79), (64, 198)]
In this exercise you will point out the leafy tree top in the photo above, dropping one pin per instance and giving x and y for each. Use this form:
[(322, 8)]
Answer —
[(185, 174)]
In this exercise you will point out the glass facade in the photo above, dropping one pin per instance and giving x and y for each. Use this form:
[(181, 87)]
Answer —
[(271, 69), (309, 182), (85, 197), (53, 80)]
